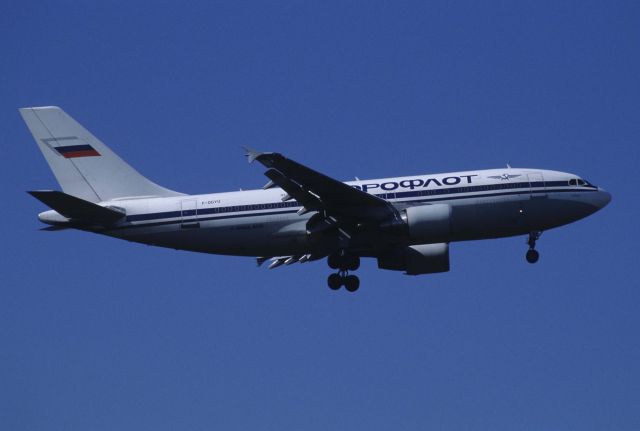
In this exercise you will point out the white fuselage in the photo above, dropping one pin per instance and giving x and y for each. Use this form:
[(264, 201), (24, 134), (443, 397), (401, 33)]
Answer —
[(484, 204), (301, 215)]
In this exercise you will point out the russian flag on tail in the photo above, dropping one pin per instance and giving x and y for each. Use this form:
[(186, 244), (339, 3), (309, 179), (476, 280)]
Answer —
[(73, 151)]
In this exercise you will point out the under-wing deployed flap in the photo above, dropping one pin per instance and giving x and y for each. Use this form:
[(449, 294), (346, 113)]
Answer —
[(304, 197), (77, 209)]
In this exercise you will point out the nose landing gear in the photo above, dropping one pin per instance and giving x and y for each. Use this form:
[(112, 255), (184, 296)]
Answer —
[(532, 254), (344, 263)]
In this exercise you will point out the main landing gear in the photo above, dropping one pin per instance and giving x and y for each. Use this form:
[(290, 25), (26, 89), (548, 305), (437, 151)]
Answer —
[(532, 254), (350, 282), (344, 263)]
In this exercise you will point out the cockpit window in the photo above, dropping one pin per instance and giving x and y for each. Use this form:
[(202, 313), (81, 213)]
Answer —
[(579, 182)]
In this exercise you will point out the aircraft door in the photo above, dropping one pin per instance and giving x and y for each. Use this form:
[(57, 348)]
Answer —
[(537, 186), (189, 214)]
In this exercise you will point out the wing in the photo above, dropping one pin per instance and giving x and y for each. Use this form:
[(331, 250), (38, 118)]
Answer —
[(318, 192)]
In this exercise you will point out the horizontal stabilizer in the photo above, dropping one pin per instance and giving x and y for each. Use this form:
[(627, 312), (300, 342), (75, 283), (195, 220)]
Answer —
[(53, 228), (77, 209)]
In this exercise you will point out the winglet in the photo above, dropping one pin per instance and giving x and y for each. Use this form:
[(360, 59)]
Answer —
[(251, 154)]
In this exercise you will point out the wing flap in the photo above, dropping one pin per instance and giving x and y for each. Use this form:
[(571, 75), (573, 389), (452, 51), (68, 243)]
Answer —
[(306, 199)]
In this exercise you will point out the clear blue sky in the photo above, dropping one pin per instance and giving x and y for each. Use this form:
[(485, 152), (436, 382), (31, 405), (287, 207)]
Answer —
[(99, 334)]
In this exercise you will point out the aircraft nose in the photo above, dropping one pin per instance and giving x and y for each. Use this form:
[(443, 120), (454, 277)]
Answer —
[(603, 198)]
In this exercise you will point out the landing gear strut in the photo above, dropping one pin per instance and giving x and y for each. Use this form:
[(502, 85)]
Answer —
[(532, 254), (343, 262)]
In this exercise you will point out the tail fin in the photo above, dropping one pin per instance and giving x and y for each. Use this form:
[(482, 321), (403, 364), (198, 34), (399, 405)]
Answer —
[(84, 166)]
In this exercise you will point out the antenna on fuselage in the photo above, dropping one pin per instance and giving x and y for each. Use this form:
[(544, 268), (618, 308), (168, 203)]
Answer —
[(508, 165)]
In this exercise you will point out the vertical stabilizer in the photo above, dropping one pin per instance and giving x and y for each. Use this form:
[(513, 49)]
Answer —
[(82, 164)]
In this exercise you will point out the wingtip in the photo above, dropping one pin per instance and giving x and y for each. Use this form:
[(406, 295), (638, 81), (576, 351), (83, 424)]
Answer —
[(53, 228), (251, 154), (39, 108), (36, 193)]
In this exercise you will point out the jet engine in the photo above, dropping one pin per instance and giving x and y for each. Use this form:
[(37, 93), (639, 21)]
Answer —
[(428, 223), (417, 259)]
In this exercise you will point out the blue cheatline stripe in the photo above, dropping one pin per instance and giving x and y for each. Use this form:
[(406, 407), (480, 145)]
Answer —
[(250, 210), (199, 219), (153, 216), (217, 210)]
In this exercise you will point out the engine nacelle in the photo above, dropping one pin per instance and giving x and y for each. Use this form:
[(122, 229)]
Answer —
[(429, 223), (417, 259)]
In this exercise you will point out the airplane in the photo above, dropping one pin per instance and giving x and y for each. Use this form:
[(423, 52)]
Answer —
[(301, 215)]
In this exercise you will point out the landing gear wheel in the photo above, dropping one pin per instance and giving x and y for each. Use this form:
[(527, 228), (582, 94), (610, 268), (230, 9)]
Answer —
[(533, 256), (351, 283), (334, 281), (334, 261), (343, 261), (353, 262)]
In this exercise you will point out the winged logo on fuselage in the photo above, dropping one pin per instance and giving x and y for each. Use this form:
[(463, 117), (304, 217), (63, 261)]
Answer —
[(504, 176)]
